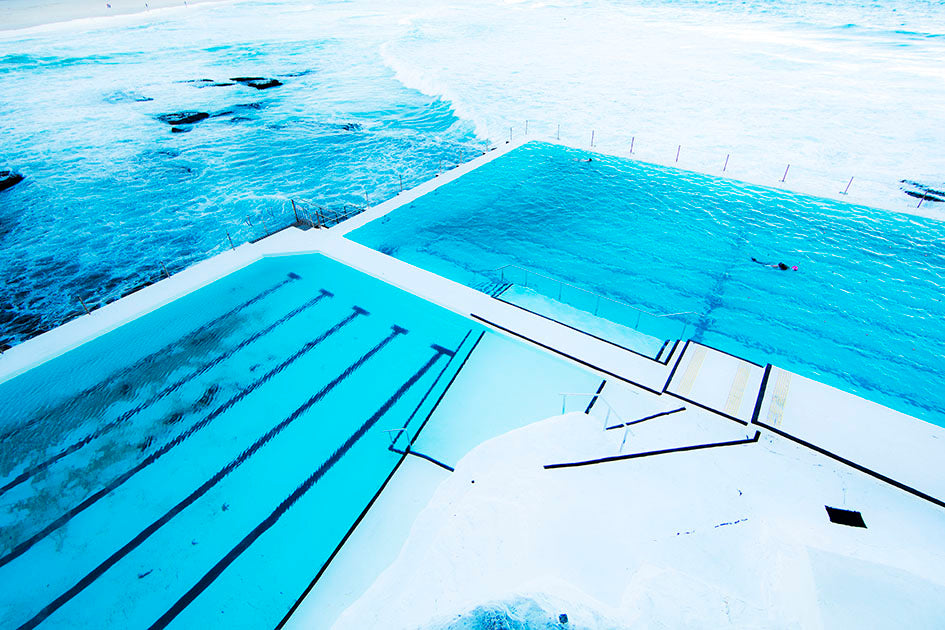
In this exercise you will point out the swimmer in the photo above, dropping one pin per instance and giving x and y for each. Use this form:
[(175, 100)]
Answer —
[(780, 265)]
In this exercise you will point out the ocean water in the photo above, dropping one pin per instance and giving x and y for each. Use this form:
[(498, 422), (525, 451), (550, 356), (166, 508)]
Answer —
[(374, 92)]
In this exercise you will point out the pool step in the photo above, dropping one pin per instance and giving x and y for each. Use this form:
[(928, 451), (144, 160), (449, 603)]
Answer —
[(717, 381)]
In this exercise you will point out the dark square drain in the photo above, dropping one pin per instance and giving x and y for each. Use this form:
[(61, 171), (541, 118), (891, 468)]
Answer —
[(845, 517)]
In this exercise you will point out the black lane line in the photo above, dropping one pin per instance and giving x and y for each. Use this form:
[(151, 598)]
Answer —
[(672, 372), (206, 486), (446, 389), (721, 414), (590, 405), (761, 394), (552, 319), (655, 415), (670, 355), (144, 361), (89, 501), (321, 571), (124, 417), (564, 354), (289, 501), (681, 449), (852, 464), (422, 456), (705, 345)]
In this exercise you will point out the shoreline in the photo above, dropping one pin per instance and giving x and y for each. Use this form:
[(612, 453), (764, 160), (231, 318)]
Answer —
[(23, 15)]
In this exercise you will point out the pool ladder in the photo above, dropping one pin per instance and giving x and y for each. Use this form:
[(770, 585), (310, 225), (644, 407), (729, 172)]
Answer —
[(597, 397)]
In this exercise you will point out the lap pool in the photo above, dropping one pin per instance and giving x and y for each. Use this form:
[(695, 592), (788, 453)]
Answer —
[(864, 312), (200, 465)]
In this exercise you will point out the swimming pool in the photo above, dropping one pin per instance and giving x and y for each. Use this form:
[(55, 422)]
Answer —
[(863, 313), (195, 465), (202, 464)]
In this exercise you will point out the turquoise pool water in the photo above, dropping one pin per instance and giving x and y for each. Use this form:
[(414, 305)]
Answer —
[(864, 312), (201, 465), (197, 466)]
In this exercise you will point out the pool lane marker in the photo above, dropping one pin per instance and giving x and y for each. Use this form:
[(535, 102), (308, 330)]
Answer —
[(89, 501), (644, 419), (209, 483), (124, 417), (289, 501), (590, 405), (367, 508), (145, 361)]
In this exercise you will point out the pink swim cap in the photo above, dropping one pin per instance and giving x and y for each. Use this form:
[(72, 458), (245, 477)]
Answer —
[(794, 268)]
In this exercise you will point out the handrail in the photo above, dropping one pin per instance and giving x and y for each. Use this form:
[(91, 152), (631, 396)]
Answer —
[(396, 436), (598, 295), (610, 410)]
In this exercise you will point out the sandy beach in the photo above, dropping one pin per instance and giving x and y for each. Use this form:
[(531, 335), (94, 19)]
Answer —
[(18, 14)]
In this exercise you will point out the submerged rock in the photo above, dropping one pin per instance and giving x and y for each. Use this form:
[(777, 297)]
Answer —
[(183, 118), (260, 83), (921, 191), (9, 179)]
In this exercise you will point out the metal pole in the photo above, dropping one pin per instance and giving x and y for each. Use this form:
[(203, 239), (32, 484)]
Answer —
[(248, 221), (230, 239), (921, 199), (847, 189), (510, 134), (366, 201), (558, 133), (401, 183), (592, 137), (295, 211), (526, 126), (87, 312), (167, 275), (785, 173), (727, 155), (632, 138), (678, 149), (439, 168)]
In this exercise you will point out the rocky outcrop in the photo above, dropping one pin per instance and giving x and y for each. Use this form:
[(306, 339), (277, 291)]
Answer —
[(260, 83), (9, 179), (183, 118)]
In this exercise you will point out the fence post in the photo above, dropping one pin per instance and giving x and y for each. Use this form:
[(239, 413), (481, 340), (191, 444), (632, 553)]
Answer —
[(87, 311), (845, 190), (632, 138), (526, 126), (785, 173), (727, 155), (678, 149), (592, 137), (229, 239), (558, 133)]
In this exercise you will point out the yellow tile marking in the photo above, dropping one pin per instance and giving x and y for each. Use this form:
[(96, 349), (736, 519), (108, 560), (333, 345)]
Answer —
[(735, 394), (695, 363), (776, 410)]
